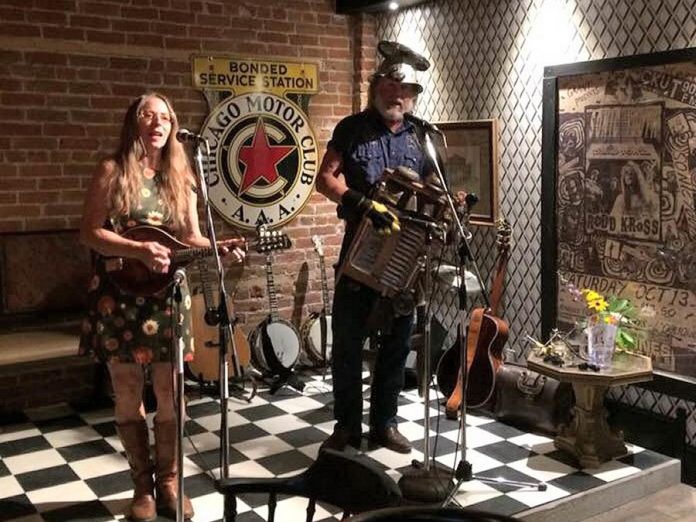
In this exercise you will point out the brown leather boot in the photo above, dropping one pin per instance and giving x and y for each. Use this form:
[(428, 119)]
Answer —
[(166, 471), (135, 441)]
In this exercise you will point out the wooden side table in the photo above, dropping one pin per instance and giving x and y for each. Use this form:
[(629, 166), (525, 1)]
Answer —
[(589, 437)]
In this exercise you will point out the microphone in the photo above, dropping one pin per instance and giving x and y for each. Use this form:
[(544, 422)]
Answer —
[(423, 123), (179, 276), (186, 136)]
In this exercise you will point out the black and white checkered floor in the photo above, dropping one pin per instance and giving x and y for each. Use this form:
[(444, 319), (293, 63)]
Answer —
[(61, 465)]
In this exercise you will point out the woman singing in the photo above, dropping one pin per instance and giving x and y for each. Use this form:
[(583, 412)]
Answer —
[(147, 180)]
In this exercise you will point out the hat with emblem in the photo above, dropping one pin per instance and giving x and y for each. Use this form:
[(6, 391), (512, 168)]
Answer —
[(401, 63)]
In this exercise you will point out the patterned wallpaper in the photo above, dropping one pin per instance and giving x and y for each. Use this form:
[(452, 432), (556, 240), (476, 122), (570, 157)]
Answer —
[(488, 61)]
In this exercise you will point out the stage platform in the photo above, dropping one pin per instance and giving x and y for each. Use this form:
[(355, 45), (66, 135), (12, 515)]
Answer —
[(58, 464)]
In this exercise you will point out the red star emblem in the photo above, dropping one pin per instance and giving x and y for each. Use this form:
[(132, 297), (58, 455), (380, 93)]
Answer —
[(261, 158)]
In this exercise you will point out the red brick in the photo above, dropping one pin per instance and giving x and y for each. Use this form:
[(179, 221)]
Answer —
[(54, 129), (47, 115), (55, 223), (211, 20), (20, 30), (92, 22), (181, 43), (39, 197), (81, 60), (176, 17), (34, 143), (132, 26), (66, 100), (20, 129), (62, 209), (62, 33), (17, 211), (100, 8), (47, 17), (88, 88), (11, 225), (11, 14), (56, 5), (8, 198), (39, 171), (105, 37), (77, 143), (139, 13)]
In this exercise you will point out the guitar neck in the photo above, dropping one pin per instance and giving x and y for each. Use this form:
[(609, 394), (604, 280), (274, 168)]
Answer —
[(498, 283), (272, 297), (184, 255), (324, 285), (206, 282)]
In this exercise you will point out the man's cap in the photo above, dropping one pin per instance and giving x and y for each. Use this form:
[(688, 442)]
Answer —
[(401, 63)]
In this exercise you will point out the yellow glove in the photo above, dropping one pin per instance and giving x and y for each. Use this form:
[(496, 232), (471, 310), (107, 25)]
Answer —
[(384, 221)]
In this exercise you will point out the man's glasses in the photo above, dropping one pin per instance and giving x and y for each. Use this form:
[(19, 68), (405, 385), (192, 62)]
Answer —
[(149, 116)]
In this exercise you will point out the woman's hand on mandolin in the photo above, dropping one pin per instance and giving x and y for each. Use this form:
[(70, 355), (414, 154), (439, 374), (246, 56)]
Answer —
[(235, 248), (155, 256)]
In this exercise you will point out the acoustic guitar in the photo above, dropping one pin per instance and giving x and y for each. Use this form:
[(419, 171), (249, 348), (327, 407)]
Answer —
[(485, 339), (205, 366), (132, 276)]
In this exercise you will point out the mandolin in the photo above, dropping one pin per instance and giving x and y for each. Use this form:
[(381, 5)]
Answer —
[(205, 365), (132, 276), (485, 339)]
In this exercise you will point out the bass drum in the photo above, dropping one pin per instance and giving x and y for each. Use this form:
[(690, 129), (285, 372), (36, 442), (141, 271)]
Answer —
[(311, 339), (275, 346)]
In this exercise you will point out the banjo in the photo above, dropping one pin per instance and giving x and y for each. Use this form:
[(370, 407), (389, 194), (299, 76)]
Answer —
[(275, 342), (317, 338)]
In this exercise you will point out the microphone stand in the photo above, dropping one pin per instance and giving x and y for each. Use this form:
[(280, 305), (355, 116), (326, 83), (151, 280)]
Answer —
[(225, 324), (177, 355), (463, 471), (425, 482)]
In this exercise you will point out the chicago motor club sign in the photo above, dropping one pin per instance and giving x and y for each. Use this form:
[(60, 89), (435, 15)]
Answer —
[(263, 154)]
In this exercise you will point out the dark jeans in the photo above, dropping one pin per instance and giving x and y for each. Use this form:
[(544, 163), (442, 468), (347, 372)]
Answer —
[(351, 308)]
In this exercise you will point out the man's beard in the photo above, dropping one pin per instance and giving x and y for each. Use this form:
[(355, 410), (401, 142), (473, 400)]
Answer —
[(391, 113)]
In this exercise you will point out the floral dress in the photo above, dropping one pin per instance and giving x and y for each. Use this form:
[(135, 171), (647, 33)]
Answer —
[(128, 328)]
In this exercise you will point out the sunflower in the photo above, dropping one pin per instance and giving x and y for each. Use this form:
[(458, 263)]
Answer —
[(150, 327)]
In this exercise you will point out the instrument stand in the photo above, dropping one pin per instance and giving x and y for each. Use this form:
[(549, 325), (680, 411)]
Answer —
[(463, 471), (177, 356), (225, 324), (426, 482)]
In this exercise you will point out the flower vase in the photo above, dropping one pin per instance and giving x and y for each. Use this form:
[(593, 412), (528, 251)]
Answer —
[(601, 339)]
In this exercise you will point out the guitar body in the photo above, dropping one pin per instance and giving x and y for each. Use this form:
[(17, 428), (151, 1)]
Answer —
[(132, 277), (316, 328), (205, 365), (485, 339), (275, 346)]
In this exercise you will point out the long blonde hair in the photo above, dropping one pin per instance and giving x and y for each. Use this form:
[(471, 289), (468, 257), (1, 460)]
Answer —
[(175, 180)]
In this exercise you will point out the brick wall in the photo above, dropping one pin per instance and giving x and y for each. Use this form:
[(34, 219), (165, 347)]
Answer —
[(69, 68)]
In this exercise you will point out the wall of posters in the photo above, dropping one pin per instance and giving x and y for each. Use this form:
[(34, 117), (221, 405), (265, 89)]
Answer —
[(625, 200)]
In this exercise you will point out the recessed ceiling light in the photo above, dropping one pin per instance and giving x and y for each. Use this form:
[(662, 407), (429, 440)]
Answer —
[(393, 6)]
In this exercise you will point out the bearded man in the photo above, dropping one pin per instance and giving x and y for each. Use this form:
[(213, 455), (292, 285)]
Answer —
[(362, 147)]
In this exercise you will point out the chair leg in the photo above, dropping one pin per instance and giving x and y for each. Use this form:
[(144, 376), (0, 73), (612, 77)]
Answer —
[(230, 511), (272, 503), (311, 509)]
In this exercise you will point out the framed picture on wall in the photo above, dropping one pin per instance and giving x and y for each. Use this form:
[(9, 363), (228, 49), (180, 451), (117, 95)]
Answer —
[(619, 198), (471, 164)]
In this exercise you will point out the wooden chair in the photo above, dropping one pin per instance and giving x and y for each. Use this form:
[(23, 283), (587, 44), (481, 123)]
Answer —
[(350, 482), (429, 514)]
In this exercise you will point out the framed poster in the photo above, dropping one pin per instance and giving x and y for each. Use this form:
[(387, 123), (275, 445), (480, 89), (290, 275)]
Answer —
[(619, 197), (471, 164)]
